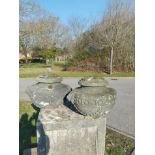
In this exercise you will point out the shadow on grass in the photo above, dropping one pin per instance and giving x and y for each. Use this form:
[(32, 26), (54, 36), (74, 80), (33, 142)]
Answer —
[(27, 131)]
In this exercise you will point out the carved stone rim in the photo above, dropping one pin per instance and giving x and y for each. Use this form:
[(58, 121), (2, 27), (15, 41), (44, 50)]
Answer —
[(108, 92)]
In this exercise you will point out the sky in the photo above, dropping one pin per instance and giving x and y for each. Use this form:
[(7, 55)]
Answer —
[(65, 9)]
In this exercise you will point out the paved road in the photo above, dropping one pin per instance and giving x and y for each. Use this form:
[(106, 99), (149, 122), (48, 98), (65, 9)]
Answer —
[(121, 117)]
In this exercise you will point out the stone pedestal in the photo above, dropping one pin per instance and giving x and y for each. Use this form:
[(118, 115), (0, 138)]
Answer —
[(63, 131)]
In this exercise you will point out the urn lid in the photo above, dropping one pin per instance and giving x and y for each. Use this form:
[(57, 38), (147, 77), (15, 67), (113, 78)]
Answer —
[(46, 79), (93, 81)]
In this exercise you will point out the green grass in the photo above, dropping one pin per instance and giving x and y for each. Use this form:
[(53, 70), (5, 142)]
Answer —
[(116, 144), (35, 70), (81, 74), (34, 65), (27, 126)]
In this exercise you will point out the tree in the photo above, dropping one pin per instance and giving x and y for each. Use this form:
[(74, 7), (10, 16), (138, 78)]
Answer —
[(51, 31), (112, 37), (49, 54), (115, 27), (27, 9), (25, 40), (77, 26), (39, 28)]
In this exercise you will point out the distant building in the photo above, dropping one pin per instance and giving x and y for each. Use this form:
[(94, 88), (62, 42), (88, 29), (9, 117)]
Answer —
[(22, 56), (63, 57)]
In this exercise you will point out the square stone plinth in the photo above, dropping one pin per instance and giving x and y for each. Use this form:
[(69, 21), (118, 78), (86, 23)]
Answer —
[(63, 131), (31, 151)]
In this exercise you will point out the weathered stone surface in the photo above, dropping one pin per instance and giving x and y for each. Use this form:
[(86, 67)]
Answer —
[(93, 81), (47, 91), (31, 151), (46, 79), (63, 131), (93, 101)]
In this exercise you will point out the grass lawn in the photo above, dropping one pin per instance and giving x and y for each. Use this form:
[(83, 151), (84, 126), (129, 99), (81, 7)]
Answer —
[(116, 144), (34, 70)]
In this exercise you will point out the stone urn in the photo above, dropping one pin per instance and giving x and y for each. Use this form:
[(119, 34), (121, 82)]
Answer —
[(48, 91), (93, 97)]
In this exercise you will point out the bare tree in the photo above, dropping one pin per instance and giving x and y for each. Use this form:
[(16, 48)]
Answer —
[(115, 27), (38, 28), (79, 25), (25, 39), (50, 31), (27, 11), (114, 33)]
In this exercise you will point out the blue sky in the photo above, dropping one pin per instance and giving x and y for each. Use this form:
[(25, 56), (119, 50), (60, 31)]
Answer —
[(65, 9)]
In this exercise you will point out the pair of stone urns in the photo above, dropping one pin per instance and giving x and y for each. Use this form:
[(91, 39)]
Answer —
[(92, 97)]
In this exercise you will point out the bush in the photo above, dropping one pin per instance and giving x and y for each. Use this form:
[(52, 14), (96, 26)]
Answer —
[(96, 61), (38, 60), (33, 60), (88, 61), (22, 61)]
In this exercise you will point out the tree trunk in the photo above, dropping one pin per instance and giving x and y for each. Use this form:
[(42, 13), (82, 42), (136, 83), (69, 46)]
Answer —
[(25, 54), (111, 60), (47, 61)]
